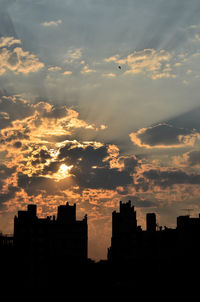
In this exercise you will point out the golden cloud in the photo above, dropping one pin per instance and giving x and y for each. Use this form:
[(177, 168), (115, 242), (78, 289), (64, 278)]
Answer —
[(16, 59), (154, 64), (33, 129)]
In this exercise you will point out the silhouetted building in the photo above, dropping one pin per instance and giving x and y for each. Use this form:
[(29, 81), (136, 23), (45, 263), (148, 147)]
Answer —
[(52, 252), (7, 260), (154, 250), (47, 246), (124, 227), (64, 237), (188, 224), (151, 222)]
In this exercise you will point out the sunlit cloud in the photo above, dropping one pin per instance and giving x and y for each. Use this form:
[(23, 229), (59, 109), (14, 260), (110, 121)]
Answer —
[(52, 23), (189, 159), (67, 72), (164, 136), (63, 172), (30, 132), (152, 63), (86, 69), (109, 75), (73, 54), (8, 41), (54, 68), (16, 59)]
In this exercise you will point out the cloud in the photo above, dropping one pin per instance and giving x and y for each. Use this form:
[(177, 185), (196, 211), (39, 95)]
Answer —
[(73, 54), (164, 136), (54, 68), (109, 75), (93, 166), (8, 41), (67, 72), (38, 185), (152, 63), (15, 108), (29, 132), (164, 178), (15, 59), (10, 194), (89, 168), (31, 135), (5, 172), (52, 23), (40, 117), (194, 158), (7, 183), (188, 159), (86, 69)]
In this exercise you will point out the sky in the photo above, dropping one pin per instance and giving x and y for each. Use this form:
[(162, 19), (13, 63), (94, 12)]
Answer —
[(99, 102)]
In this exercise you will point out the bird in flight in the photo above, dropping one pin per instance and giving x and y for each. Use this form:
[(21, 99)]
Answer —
[(119, 67)]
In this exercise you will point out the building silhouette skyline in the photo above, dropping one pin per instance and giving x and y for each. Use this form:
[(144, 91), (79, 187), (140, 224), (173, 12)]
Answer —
[(46, 252), (63, 236), (130, 243)]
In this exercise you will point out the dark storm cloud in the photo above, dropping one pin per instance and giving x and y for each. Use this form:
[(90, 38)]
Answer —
[(52, 168), (5, 172), (14, 135), (91, 169), (10, 191), (83, 156), (130, 163), (56, 112), (9, 194), (41, 158), (17, 145), (167, 178), (4, 120), (36, 185), (163, 135), (102, 178), (13, 108)]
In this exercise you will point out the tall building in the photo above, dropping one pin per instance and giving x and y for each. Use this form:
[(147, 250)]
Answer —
[(151, 222), (153, 250), (124, 227), (45, 241)]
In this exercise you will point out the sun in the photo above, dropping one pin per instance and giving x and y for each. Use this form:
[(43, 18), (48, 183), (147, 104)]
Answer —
[(63, 168), (63, 172)]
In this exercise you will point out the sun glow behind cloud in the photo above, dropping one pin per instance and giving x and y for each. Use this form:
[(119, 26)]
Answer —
[(63, 172)]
